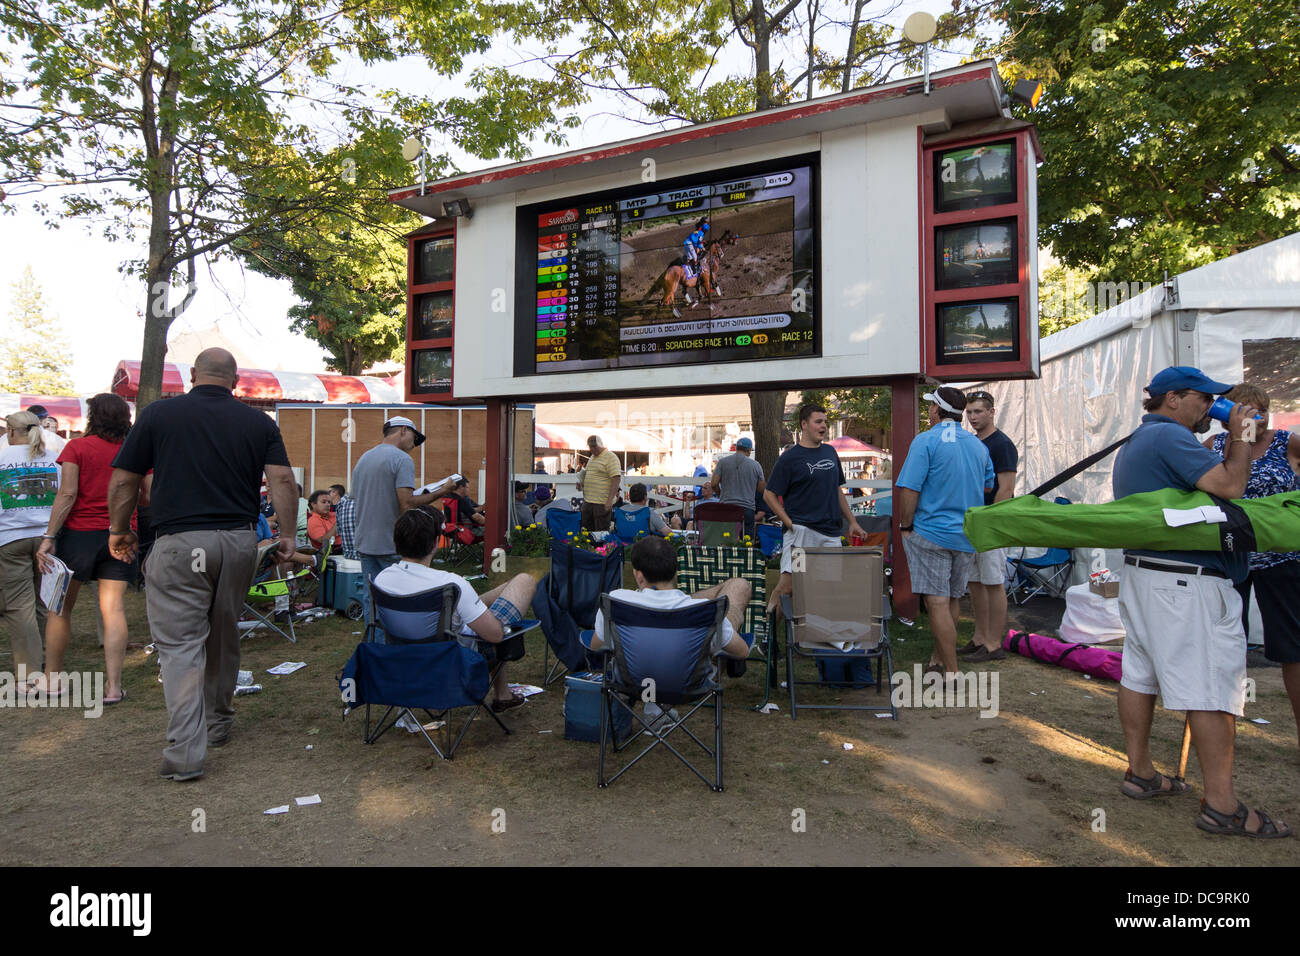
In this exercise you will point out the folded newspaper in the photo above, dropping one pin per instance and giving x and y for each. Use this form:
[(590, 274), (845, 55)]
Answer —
[(433, 486), (54, 585)]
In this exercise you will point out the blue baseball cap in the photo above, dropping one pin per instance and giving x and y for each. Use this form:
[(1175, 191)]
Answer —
[(744, 443), (1178, 377)]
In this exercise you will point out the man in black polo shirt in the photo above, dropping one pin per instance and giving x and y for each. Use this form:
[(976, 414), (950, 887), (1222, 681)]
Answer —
[(208, 452)]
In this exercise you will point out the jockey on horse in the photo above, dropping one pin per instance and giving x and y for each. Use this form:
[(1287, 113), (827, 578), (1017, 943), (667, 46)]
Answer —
[(704, 277), (694, 246)]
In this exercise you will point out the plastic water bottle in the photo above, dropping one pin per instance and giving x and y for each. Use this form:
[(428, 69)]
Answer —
[(1222, 408)]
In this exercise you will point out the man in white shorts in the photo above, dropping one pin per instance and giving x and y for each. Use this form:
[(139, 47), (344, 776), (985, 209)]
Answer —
[(988, 580), (804, 492), (1180, 611)]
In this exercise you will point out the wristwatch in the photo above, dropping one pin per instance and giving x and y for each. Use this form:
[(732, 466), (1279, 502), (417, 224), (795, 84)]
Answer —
[(904, 527)]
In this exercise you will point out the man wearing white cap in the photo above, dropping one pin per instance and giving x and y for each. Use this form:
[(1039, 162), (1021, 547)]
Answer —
[(946, 473), (383, 484)]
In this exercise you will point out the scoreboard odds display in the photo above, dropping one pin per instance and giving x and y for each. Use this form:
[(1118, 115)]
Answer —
[(717, 268)]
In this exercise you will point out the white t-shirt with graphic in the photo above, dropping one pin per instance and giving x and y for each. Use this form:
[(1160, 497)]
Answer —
[(27, 490)]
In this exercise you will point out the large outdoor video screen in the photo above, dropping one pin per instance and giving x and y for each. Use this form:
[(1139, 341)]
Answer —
[(606, 280)]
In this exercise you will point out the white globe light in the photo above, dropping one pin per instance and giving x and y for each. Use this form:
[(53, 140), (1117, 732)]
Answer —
[(411, 149), (920, 27)]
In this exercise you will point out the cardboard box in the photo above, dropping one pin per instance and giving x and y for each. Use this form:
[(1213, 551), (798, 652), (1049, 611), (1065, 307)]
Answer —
[(1107, 589)]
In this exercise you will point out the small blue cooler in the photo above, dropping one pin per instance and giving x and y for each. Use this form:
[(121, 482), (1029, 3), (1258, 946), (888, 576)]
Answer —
[(344, 587), (582, 702)]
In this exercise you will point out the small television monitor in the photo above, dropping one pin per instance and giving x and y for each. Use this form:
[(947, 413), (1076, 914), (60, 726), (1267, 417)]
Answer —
[(981, 254), (435, 260), (974, 176), (433, 316), (432, 373), (982, 331)]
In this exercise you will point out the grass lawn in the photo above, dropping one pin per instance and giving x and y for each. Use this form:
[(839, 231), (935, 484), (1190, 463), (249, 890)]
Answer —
[(937, 786)]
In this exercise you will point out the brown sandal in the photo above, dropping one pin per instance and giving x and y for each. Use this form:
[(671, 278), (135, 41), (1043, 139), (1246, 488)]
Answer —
[(1235, 824)]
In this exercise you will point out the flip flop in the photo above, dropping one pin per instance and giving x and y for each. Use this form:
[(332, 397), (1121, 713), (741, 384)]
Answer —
[(109, 701)]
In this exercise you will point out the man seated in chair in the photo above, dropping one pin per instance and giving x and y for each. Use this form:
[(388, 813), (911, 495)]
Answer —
[(654, 565), (468, 511), (484, 616), (636, 496)]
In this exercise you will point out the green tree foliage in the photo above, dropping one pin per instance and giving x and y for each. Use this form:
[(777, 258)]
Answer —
[(184, 125), (347, 266), (36, 358), (1170, 128)]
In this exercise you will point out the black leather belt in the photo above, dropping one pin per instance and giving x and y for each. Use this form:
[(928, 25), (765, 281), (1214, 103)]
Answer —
[(1192, 569)]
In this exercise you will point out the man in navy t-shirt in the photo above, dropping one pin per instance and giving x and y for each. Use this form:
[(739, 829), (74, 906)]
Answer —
[(804, 492), (988, 578), (1181, 614)]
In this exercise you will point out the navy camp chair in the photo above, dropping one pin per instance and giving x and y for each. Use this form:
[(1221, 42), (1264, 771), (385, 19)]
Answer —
[(630, 525), (563, 525), (669, 651), (770, 538), (567, 600), (839, 597), (444, 674)]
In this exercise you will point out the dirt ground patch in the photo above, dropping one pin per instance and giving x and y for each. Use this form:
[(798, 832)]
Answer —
[(937, 787)]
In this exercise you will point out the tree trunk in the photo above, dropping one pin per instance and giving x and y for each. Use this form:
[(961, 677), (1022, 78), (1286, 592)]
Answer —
[(767, 409)]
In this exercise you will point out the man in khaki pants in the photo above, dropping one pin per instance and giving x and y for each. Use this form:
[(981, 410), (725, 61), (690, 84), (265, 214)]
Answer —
[(208, 452)]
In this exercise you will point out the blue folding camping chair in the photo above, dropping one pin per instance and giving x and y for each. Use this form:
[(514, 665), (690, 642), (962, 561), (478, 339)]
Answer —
[(630, 525), (563, 525), (428, 667), (567, 600), (1048, 573), (671, 652)]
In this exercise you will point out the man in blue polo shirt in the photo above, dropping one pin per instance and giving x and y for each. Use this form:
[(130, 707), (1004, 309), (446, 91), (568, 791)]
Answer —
[(946, 472), (1180, 611)]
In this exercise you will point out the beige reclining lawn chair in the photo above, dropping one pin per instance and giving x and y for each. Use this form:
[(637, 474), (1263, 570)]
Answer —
[(836, 619)]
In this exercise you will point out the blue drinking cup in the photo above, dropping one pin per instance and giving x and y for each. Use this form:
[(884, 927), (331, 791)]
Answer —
[(1222, 408)]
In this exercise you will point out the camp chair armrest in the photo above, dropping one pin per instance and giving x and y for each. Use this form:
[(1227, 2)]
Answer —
[(586, 637)]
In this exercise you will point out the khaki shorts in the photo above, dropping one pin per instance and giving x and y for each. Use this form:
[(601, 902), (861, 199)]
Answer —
[(1185, 640), (990, 568)]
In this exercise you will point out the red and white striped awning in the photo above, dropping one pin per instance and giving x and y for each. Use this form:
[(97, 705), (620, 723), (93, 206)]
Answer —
[(574, 438), (69, 410), (263, 387), (848, 447)]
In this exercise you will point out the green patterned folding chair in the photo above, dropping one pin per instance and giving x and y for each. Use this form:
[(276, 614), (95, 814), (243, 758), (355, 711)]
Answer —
[(699, 568)]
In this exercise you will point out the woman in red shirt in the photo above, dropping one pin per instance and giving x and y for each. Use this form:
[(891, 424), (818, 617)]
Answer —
[(78, 536)]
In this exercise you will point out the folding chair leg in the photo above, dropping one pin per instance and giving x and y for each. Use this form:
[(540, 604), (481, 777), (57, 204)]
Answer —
[(717, 744), (789, 671)]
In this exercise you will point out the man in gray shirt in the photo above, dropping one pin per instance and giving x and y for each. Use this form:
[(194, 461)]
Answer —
[(383, 482), (739, 480)]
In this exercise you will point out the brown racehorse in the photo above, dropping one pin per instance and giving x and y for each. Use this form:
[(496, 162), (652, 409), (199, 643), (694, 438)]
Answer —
[(706, 280)]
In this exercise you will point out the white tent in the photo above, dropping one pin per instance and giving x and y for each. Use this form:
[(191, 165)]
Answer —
[(1236, 319)]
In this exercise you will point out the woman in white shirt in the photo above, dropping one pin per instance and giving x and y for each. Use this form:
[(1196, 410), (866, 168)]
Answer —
[(29, 480)]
